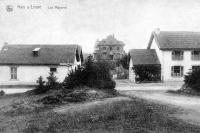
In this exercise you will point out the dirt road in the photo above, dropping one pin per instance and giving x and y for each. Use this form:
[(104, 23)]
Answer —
[(157, 92)]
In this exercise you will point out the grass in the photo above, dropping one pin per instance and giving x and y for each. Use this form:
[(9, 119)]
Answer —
[(133, 115), (124, 116)]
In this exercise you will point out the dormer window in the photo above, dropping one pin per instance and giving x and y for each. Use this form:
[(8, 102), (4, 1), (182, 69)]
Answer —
[(36, 51), (177, 55)]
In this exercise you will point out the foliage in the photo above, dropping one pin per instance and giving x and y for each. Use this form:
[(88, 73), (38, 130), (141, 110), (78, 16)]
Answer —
[(40, 88), (124, 61), (43, 86), (192, 79), (77, 55), (92, 74), (75, 78), (78, 95), (81, 56), (52, 82), (2, 93), (51, 100), (147, 72)]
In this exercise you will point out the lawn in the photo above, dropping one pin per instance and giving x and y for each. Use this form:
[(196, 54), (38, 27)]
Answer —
[(21, 113)]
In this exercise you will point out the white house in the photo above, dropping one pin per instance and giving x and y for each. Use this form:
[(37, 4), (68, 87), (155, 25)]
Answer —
[(23, 64), (178, 52)]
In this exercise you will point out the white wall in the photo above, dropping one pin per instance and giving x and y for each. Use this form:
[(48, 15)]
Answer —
[(131, 72), (160, 57), (29, 74), (187, 63)]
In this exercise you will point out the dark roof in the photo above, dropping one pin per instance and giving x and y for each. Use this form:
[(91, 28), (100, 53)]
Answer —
[(168, 40), (48, 54), (110, 40), (144, 57)]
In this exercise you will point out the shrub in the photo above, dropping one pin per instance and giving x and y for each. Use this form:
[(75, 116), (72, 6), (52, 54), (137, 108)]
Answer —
[(75, 78), (51, 100), (43, 86), (52, 82), (78, 95), (40, 88), (192, 79), (92, 74), (147, 72), (2, 93)]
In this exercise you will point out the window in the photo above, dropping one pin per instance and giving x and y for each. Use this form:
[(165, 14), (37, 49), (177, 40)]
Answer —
[(110, 48), (104, 48), (177, 55), (53, 69), (177, 71), (117, 48), (195, 55), (13, 71), (194, 68)]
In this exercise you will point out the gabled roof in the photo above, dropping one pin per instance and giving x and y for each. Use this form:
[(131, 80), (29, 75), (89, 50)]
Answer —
[(169, 40), (110, 40), (144, 57), (48, 54)]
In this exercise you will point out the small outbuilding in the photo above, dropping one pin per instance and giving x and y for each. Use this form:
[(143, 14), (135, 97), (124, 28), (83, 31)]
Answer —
[(141, 57)]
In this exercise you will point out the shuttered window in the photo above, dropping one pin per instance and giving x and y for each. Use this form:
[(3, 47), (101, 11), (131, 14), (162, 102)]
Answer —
[(13, 71), (195, 55), (177, 55), (177, 71)]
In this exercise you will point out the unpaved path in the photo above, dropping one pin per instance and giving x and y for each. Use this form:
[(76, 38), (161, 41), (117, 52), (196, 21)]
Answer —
[(157, 93)]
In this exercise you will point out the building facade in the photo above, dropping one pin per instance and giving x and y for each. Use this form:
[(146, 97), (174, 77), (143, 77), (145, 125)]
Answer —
[(109, 49), (178, 53), (24, 64)]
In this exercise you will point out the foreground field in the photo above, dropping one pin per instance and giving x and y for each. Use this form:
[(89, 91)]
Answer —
[(20, 113)]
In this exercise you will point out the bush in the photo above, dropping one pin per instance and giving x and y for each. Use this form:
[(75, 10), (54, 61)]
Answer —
[(192, 79), (51, 100), (43, 86), (40, 88), (92, 74), (147, 72), (2, 93), (52, 82), (77, 95)]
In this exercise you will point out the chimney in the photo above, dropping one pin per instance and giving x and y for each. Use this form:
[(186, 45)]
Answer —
[(5, 47), (36, 51), (157, 31)]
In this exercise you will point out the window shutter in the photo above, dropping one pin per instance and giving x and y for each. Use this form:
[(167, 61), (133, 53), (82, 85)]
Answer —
[(181, 71), (172, 71)]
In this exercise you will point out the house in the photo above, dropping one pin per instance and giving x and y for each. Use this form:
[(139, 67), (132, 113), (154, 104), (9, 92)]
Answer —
[(178, 52), (23, 64), (109, 49)]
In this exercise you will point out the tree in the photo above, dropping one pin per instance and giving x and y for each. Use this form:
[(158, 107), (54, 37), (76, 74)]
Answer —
[(51, 81), (77, 55), (81, 56), (124, 61), (92, 74)]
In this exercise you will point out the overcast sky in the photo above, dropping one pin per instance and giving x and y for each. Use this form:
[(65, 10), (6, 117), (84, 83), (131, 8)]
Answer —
[(84, 21)]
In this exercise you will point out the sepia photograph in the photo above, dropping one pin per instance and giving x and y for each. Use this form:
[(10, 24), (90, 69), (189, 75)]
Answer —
[(99, 66)]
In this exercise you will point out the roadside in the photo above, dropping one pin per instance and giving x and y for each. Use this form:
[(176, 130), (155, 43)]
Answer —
[(157, 93)]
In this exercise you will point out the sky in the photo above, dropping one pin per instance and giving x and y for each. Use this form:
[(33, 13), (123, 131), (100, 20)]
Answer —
[(84, 21)]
